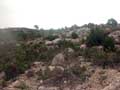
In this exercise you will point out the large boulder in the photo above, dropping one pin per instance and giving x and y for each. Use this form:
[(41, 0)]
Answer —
[(58, 60)]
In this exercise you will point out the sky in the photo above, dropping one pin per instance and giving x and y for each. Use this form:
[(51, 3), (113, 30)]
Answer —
[(56, 13)]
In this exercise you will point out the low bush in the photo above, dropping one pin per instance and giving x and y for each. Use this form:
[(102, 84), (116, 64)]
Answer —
[(109, 44), (95, 38), (74, 35)]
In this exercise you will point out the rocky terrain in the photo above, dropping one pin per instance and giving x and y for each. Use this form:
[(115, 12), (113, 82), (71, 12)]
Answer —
[(100, 79), (70, 58)]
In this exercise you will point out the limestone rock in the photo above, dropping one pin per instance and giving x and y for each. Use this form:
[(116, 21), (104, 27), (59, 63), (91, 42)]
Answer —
[(58, 59)]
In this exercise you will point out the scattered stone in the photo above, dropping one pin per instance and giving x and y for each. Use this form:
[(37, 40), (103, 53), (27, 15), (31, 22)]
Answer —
[(30, 73), (83, 46), (70, 50), (51, 68)]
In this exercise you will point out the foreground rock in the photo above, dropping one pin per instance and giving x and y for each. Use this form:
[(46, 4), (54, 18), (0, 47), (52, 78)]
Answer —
[(58, 60)]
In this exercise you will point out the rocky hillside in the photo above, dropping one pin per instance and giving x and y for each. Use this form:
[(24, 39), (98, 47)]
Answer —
[(70, 58)]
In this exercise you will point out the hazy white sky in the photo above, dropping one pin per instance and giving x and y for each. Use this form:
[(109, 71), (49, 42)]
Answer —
[(56, 13)]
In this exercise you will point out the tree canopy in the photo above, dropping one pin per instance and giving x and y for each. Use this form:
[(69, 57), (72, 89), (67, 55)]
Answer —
[(112, 22)]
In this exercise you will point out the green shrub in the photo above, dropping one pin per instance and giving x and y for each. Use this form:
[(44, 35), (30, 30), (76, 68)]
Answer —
[(112, 22), (109, 44), (95, 38), (74, 35)]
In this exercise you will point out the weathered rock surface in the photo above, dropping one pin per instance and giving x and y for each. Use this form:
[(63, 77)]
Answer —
[(58, 60)]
